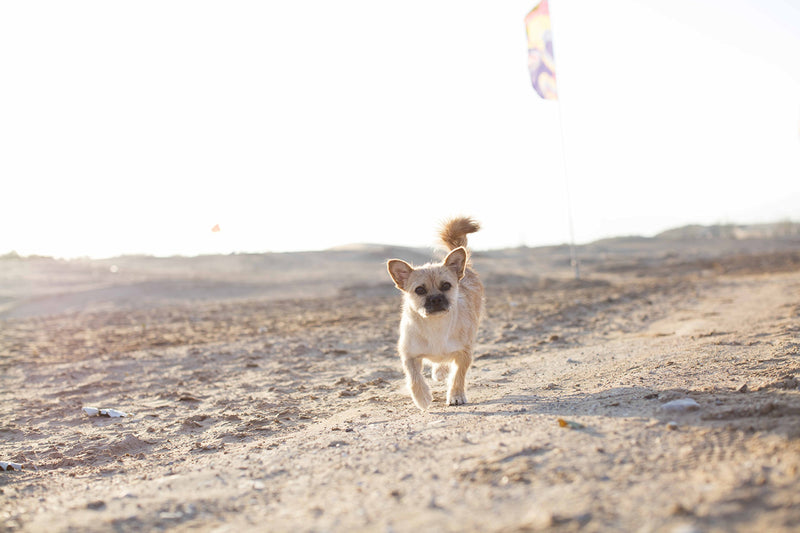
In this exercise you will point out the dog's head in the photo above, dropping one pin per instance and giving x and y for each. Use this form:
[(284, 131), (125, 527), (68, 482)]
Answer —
[(430, 289)]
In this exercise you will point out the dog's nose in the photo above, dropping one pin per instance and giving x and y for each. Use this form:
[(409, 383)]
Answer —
[(436, 302)]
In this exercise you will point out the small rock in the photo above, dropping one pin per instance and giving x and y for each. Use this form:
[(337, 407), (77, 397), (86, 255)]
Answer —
[(112, 413), (687, 528), (96, 505), (684, 405), (679, 509), (672, 426), (539, 520), (743, 388), (187, 398), (790, 382)]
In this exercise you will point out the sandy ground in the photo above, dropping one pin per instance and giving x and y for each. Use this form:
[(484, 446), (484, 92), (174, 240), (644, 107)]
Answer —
[(264, 393)]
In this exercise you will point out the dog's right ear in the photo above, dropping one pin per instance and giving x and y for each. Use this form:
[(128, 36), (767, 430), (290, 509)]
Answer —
[(399, 270)]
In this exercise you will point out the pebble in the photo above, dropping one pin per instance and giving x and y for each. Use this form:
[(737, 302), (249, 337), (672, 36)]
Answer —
[(683, 405), (687, 528), (112, 413)]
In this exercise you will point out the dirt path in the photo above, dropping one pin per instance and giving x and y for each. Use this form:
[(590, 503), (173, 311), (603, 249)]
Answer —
[(292, 415)]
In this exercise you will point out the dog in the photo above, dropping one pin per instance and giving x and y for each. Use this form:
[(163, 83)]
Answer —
[(442, 308)]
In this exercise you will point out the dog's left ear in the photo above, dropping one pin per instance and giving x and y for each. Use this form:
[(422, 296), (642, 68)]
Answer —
[(399, 270), (457, 260)]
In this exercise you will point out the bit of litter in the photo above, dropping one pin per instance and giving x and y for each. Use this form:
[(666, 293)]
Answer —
[(570, 424), (113, 413), (10, 466)]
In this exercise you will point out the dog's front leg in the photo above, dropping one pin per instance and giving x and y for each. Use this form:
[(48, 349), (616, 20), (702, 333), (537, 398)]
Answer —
[(456, 393), (420, 391)]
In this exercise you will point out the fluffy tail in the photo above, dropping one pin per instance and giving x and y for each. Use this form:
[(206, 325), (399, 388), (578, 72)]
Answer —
[(455, 230)]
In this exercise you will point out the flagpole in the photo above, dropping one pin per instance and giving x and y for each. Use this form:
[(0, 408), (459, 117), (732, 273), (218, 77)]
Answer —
[(541, 62), (573, 255)]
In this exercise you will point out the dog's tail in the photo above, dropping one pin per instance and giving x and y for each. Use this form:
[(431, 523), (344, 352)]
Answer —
[(455, 230)]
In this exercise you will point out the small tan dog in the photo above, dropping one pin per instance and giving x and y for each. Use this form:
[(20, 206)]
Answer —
[(442, 306)]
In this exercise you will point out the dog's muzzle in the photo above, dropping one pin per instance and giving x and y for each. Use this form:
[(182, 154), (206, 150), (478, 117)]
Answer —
[(436, 303)]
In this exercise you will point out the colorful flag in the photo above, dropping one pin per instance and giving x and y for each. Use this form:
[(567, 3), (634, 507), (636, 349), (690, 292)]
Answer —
[(540, 51)]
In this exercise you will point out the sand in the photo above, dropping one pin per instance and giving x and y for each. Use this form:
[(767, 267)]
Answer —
[(264, 393)]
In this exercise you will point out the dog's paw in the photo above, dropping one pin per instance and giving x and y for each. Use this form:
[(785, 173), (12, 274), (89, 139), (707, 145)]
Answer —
[(457, 399), (440, 372), (422, 397)]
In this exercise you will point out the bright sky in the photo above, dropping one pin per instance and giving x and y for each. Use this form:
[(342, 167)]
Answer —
[(135, 127)]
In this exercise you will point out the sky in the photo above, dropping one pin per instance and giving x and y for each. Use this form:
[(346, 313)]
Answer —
[(136, 127)]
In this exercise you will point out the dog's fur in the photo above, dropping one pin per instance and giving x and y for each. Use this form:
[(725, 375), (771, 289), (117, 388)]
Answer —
[(442, 306)]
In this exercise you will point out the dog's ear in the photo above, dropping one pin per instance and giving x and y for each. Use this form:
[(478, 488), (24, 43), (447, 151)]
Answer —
[(399, 270), (457, 260)]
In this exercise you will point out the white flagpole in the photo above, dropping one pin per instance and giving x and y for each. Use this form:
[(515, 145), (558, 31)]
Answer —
[(573, 255)]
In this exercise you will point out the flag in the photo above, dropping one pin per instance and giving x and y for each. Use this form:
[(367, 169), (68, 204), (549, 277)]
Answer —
[(540, 51)]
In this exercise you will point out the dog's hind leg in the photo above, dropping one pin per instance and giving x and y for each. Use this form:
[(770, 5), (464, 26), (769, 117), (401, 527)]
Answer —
[(420, 391), (456, 393), (440, 371)]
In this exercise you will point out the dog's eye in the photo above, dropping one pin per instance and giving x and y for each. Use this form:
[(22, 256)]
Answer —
[(445, 286), (421, 290)]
